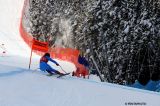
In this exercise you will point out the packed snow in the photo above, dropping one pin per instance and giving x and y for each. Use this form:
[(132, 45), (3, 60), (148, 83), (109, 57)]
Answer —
[(23, 87), (20, 86)]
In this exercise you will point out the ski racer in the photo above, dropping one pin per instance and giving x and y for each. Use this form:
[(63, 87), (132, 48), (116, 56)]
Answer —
[(44, 66)]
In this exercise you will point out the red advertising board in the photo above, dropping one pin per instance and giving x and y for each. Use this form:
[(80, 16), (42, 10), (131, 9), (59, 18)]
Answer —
[(40, 46)]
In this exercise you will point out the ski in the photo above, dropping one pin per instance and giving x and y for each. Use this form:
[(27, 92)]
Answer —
[(51, 74), (63, 75)]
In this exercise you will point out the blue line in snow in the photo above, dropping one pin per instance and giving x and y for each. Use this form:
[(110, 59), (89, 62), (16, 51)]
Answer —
[(11, 73)]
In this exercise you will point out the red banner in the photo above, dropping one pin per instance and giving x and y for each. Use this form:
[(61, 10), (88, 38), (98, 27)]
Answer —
[(40, 46)]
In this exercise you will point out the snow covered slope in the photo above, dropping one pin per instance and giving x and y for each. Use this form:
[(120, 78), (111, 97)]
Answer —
[(22, 87), (10, 11)]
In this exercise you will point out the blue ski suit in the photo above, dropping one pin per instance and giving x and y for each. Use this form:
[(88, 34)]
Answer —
[(83, 61), (46, 67)]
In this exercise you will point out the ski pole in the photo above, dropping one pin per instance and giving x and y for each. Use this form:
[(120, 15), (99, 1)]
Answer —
[(62, 69)]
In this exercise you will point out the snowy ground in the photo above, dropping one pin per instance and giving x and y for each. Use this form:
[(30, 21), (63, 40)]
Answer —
[(22, 87)]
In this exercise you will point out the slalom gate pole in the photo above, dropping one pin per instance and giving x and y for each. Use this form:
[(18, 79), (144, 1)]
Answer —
[(30, 59), (62, 69)]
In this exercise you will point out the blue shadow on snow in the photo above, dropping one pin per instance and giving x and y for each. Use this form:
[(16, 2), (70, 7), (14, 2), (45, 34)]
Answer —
[(11, 73)]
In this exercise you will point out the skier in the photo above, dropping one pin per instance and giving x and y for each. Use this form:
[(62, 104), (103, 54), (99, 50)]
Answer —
[(82, 70), (83, 61), (46, 67)]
